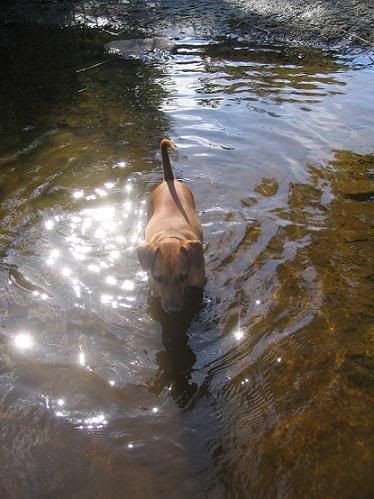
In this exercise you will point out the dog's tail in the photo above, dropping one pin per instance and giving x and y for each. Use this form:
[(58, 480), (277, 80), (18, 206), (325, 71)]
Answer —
[(166, 166)]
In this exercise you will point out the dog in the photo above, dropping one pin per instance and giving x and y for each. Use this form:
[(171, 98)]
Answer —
[(173, 250)]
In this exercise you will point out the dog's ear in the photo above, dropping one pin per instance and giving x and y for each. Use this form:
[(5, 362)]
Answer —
[(194, 249), (146, 255), (195, 255)]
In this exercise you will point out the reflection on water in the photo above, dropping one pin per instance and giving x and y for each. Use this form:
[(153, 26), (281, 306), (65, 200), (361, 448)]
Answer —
[(269, 78), (85, 248), (23, 341), (177, 359), (261, 387)]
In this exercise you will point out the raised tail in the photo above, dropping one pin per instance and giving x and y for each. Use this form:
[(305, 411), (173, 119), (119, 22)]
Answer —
[(166, 166)]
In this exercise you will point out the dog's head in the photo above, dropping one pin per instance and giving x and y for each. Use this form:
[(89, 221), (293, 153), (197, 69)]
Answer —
[(173, 265)]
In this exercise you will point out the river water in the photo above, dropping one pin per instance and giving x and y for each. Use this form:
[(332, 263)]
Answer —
[(263, 387)]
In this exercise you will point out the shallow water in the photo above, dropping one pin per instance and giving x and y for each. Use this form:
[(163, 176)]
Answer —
[(263, 387)]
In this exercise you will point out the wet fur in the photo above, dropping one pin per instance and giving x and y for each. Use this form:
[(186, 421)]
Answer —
[(173, 248)]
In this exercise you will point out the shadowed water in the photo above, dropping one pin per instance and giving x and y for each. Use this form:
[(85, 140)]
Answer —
[(263, 386)]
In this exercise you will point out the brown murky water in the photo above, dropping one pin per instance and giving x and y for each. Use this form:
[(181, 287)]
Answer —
[(263, 388)]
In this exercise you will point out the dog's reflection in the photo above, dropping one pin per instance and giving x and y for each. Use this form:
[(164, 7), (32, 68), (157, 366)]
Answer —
[(177, 360)]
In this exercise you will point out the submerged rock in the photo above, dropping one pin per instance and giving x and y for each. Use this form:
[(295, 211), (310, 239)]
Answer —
[(141, 47)]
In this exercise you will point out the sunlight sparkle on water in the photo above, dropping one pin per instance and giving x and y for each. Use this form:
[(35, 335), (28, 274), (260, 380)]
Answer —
[(94, 268), (111, 280), (100, 233), (103, 213), (238, 334), (42, 296), (66, 272), (110, 226), (55, 253), (155, 410), (94, 422), (114, 254), (98, 419), (128, 285), (101, 192), (82, 358), (23, 341), (105, 299), (143, 276), (97, 237), (258, 302), (127, 205)]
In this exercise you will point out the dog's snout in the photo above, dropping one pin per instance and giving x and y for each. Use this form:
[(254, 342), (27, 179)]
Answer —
[(171, 306)]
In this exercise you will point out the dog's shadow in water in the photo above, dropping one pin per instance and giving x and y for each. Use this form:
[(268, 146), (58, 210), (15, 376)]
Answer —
[(177, 359)]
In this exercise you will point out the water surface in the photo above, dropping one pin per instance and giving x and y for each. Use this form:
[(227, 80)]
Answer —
[(263, 387)]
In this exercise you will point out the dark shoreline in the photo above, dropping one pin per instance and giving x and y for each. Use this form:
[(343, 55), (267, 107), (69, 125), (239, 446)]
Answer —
[(346, 25)]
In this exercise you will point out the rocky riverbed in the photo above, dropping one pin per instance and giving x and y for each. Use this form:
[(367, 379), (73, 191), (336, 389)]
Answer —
[(345, 24)]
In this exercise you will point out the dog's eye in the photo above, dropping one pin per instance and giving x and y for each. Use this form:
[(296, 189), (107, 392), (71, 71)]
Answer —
[(183, 277)]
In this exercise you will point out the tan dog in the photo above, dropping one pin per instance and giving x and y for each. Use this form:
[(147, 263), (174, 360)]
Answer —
[(173, 251)]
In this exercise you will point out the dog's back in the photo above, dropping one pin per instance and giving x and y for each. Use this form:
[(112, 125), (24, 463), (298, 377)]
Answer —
[(172, 202)]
